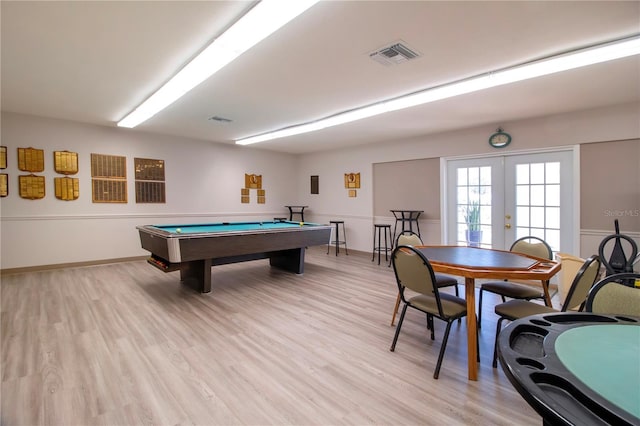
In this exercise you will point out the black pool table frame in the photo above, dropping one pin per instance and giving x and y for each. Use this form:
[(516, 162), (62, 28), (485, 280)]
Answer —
[(193, 254)]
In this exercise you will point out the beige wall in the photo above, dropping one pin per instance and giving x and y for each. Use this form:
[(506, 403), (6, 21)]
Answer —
[(407, 185), (610, 185)]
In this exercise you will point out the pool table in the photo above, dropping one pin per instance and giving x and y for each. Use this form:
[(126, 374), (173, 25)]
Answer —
[(194, 248)]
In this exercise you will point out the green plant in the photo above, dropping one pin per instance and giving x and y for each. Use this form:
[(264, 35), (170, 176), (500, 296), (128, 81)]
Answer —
[(472, 216)]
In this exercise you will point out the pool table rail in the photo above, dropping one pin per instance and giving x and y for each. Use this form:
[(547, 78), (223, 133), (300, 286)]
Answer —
[(195, 253)]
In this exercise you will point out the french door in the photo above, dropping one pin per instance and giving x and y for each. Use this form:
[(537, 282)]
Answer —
[(492, 201)]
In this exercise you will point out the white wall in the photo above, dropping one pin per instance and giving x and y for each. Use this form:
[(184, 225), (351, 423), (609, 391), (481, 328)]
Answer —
[(203, 182), (606, 124)]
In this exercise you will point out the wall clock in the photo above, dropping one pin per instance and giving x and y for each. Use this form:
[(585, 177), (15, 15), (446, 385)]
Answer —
[(499, 139)]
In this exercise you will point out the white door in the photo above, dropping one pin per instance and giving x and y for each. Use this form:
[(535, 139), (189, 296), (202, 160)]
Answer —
[(511, 197)]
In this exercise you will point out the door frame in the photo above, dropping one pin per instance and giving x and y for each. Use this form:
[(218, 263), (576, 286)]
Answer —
[(444, 200)]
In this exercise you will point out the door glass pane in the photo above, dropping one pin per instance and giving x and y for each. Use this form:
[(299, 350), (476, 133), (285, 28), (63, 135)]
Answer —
[(553, 195), (537, 195), (552, 173), (522, 173), (538, 201), (473, 190)]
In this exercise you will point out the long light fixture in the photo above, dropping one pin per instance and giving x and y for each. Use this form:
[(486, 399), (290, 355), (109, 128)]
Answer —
[(575, 59), (261, 21)]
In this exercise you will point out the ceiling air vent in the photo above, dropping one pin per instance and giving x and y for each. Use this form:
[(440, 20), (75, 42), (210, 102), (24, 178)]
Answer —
[(395, 54), (220, 119)]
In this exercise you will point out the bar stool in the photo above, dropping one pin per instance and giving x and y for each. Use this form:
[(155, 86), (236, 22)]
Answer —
[(337, 240), (379, 229)]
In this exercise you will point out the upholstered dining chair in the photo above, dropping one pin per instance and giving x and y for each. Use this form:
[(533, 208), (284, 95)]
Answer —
[(532, 246), (414, 272), (410, 238), (515, 309), (611, 296)]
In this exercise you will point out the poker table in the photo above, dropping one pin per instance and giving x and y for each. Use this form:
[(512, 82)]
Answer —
[(575, 368), (479, 263), (194, 248)]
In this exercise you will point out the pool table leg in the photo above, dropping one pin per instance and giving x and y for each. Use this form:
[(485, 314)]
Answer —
[(290, 260), (197, 275)]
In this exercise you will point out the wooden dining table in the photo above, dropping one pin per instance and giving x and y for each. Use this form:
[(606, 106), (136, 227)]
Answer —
[(472, 263)]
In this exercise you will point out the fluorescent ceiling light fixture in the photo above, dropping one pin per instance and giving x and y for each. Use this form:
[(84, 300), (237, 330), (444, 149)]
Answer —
[(261, 21), (575, 59)]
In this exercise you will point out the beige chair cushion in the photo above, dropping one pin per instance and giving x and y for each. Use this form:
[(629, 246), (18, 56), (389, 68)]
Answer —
[(452, 306), (513, 291), (516, 309)]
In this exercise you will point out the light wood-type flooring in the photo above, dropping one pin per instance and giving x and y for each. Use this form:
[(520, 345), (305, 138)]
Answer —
[(126, 344)]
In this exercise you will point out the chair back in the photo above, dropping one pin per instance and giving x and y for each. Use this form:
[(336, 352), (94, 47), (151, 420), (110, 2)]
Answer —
[(413, 271), (408, 238), (585, 278), (610, 296), (618, 260), (532, 246)]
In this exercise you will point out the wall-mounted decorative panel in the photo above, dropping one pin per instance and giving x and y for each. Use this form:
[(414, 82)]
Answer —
[(31, 187), (108, 178), (150, 192), (149, 177), (252, 181), (67, 188), (108, 191), (149, 169), (65, 162), (352, 180), (4, 185), (31, 160), (3, 157)]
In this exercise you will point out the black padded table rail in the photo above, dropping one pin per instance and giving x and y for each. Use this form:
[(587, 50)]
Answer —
[(575, 368)]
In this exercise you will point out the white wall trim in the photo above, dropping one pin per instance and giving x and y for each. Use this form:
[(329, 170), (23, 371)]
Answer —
[(604, 233), (138, 216)]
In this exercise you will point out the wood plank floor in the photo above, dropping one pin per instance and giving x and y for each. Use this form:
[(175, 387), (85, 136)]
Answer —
[(125, 344)]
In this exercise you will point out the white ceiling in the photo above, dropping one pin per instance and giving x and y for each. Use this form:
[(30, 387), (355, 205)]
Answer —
[(94, 62)]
